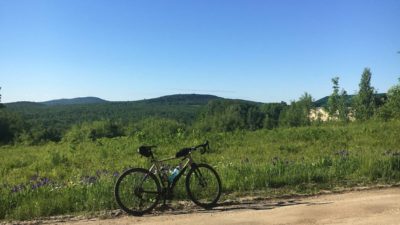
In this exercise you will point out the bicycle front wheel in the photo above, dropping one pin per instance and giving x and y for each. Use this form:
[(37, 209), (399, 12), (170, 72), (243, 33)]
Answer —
[(203, 185), (137, 191)]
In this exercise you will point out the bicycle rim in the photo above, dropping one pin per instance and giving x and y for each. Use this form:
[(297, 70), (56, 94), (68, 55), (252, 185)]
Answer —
[(203, 185), (137, 191)]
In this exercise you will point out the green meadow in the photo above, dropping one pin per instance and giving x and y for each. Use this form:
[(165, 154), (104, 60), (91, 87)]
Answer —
[(72, 176)]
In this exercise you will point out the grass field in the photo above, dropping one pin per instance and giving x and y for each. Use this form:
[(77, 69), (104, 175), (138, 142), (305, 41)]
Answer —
[(78, 177)]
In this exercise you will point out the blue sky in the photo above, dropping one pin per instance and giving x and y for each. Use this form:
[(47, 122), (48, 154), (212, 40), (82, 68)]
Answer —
[(265, 51)]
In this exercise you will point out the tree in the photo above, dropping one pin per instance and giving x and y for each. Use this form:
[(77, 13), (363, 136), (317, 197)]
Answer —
[(11, 125), (333, 100), (272, 113), (337, 102), (364, 102), (343, 109), (391, 109), (1, 105), (230, 115), (298, 113)]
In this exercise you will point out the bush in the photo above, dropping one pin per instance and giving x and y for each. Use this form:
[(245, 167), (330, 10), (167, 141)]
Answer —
[(157, 130), (93, 131), (11, 125), (230, 115)]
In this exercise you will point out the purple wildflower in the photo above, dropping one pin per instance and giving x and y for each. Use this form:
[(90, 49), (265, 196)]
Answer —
[(43, 181), (18, 188)]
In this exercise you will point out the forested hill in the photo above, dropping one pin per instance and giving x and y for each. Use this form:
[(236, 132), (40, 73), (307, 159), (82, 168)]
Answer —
[(182, 99), (73, 101), (64, 112), (181, 107), (39, 122), (177, 99)]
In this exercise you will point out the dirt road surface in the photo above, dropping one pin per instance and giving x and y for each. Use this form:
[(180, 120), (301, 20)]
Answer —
[(379, 206)]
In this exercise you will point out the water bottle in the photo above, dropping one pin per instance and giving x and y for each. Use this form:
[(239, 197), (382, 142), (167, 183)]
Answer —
[(174, 173)]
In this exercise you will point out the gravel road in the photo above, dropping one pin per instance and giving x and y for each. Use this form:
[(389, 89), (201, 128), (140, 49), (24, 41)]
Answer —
[(378, 206)]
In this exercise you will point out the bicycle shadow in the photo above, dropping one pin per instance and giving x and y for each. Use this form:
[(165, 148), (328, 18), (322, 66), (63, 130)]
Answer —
[(233, 206)]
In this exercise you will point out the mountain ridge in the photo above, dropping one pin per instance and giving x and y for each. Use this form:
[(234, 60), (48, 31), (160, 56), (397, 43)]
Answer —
[(190, 99), (73, 101), (180, 99)]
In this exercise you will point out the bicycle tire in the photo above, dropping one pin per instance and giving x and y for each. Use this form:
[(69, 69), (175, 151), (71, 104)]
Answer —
[(205, 176), (132, 186)]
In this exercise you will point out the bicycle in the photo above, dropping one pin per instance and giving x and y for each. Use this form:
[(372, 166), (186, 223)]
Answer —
[(138, 190)]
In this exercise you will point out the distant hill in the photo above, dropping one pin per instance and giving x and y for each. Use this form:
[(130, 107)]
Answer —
[(177, 99), (185, 99), (380, 97), (74, 101), (23, 104), (65, 112), (323, 102)]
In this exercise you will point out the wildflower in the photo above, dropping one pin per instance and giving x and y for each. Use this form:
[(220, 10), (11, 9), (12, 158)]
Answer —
[(18, 188), (89, 180), (40, 183)]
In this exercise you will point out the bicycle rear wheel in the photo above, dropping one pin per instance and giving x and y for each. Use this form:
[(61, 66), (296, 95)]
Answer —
[(137, 191), (203, 185)]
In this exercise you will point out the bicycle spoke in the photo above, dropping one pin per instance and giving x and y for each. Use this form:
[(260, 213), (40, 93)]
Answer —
[(203, 186), (137, 191)]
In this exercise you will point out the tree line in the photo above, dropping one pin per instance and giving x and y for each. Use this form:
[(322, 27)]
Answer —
[(218, 115)]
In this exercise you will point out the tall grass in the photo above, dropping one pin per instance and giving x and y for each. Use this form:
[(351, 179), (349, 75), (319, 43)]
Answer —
[(71, 177)]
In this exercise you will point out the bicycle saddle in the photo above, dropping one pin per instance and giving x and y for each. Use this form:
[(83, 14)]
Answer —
[(183, 152), (145, 150)]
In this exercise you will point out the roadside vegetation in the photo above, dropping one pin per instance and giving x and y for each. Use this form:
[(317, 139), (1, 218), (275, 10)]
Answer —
[(50, 166)]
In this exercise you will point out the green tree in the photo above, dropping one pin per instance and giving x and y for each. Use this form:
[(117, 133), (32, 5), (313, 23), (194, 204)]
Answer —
[(343, 109), (333, 100), (272, 113), (230, 115), (364, 102), (337, 102), (1, 105), (391, 109), (297, 114), (11, 125)]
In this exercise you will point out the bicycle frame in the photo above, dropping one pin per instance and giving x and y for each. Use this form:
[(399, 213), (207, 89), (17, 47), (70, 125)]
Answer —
[(156, 168)]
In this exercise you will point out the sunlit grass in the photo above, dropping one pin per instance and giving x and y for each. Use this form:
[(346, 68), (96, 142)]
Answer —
[(70, 177)]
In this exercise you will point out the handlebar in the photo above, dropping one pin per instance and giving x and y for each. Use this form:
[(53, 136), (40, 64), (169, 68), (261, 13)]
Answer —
[(204, 147), (147, 150)]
